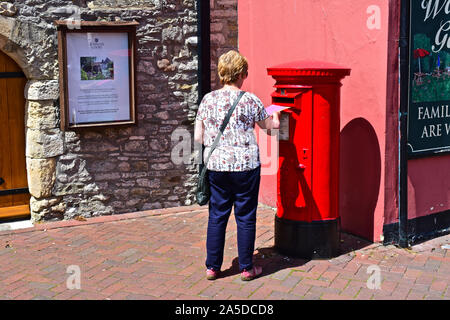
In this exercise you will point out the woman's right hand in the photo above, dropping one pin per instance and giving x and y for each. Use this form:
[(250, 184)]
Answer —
[(272, 122), (276, 120)]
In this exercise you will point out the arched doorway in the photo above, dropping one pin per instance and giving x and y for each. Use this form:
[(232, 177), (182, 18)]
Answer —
[(14, 195)]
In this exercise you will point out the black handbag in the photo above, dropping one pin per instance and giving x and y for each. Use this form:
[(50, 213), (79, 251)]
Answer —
[(203, 189)]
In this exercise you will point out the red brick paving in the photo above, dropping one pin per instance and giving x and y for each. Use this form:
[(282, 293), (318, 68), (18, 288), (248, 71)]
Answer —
[(160, 254)]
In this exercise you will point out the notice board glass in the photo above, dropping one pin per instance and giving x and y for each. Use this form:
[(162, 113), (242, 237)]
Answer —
[(429, 83), (97, 74)]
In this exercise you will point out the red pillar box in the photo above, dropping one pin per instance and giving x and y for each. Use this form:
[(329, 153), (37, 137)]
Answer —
[(307, 220)]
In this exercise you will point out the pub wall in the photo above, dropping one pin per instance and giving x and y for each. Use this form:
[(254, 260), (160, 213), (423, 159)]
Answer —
[(112, 170), (347, 33), (362, 35)]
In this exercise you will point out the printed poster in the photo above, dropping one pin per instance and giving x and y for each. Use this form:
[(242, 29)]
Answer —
[(98, 77)]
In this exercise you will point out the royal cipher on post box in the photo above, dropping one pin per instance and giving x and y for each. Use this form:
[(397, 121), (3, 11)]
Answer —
[(307, 220)]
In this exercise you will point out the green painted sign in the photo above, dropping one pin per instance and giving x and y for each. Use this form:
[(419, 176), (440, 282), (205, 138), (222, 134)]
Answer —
[(429, 86)]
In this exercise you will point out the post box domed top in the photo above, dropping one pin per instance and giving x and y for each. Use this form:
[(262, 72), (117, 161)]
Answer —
[(309, 68)]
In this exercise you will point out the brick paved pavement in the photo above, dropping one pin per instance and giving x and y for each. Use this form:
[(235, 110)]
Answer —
[(160, 254)]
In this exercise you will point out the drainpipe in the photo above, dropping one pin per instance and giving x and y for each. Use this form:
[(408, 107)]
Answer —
[(403, 118), (204, 48), (204, 60)]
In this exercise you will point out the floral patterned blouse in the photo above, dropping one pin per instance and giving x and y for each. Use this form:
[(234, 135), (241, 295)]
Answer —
[(238, 149)]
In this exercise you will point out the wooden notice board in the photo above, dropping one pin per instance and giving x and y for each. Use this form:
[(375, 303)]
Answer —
[(97, 73)]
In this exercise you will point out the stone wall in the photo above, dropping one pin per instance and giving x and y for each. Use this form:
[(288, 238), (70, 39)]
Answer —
[(110, 170), (224, 33)]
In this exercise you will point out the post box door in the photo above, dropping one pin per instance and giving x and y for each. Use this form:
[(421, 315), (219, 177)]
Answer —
[(303, 141), (295, 164)]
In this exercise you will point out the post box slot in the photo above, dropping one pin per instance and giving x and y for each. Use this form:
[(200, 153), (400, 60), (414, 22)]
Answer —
[(292, 86), (283, 100)]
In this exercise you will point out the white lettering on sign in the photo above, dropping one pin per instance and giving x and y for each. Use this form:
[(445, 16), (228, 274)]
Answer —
[(433, 130), (441, 40), (437, 112), (434, 112), (434, 7)]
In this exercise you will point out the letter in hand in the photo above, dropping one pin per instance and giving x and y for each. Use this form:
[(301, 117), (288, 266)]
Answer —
[(276, 120), (275, 108)]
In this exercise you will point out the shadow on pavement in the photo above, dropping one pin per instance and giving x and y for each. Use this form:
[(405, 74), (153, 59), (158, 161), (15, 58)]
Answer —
[(271, 261)]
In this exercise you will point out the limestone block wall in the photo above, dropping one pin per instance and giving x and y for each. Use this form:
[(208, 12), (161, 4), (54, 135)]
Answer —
[(106, 170), (224, 33)]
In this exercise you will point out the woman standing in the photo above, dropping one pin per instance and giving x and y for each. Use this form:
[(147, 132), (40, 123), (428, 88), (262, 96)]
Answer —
[(234, 166)]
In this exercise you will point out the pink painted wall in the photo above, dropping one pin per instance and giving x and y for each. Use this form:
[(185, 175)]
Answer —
[(428, 186), (275, 32)]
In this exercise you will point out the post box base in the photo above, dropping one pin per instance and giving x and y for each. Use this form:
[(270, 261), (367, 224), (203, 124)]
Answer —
[(308, 240)]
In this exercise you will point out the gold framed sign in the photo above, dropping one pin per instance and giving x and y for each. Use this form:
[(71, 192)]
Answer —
[(97, 73)]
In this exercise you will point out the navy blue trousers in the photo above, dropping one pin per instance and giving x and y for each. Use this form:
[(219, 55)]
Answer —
[(241, 190)]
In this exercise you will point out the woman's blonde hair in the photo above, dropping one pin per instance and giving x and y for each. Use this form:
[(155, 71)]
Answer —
[(231, 65)]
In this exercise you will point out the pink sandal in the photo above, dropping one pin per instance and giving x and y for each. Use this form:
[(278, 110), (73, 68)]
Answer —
[(212, 274), (252, 274)]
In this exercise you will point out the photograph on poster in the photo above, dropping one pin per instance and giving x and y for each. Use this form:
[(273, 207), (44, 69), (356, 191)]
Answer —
[(98, 77), (95, 68)]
